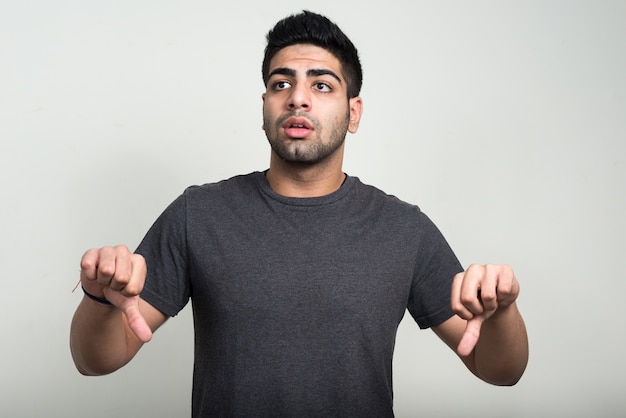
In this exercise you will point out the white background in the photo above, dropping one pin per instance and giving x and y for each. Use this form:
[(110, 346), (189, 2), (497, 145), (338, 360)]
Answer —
[(504, 120)]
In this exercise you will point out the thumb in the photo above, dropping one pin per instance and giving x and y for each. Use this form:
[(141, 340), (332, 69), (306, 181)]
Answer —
[(470, 336), (136, 321)]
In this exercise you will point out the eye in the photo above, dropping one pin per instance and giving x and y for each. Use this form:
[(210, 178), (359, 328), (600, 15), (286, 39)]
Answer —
[(281, 85), (323, 87)]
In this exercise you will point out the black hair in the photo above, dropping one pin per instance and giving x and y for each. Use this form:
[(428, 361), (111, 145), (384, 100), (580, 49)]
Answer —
[(312, 28)]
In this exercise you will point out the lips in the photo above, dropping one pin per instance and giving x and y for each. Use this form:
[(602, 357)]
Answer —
[(297, 127)]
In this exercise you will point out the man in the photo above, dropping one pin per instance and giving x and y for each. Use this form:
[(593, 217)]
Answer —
[(300, 275)]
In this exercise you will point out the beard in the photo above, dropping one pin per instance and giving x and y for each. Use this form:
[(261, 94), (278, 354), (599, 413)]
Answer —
[(306, 150)]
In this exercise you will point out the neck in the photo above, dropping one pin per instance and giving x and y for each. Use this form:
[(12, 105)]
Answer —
[(304, 180)]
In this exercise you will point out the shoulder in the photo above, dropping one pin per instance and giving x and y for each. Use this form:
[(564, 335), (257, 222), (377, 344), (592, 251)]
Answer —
[(397, 214), (377, 198), (234, 184), (233, 189)]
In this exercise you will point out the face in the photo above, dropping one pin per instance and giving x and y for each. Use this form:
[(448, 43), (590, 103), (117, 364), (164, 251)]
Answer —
[(306, 110)]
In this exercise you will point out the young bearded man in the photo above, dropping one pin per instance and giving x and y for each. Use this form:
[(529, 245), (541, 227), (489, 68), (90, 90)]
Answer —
[(299, 275)]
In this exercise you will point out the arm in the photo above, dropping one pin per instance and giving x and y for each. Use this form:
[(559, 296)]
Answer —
[(488, 331), (104, 338)]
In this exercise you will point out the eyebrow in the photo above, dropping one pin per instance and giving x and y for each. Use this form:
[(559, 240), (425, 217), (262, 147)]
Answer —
[(314, 72)]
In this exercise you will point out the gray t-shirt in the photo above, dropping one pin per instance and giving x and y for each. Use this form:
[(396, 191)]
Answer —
[(296, 301)]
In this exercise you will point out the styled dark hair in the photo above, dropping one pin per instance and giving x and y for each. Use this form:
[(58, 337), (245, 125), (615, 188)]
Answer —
[(312, 28)]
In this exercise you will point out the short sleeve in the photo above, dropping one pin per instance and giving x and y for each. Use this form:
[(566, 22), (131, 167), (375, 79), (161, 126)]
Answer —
[(164, 247), (435, 268)]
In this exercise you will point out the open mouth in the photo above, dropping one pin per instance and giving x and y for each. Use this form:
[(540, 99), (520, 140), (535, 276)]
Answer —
[(297, 127)]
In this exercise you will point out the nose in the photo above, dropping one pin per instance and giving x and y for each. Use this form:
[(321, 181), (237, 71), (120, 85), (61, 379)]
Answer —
[(300, 98)]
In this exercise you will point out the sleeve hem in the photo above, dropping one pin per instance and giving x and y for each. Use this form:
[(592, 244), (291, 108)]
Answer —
[(153, 299), (435, 319)]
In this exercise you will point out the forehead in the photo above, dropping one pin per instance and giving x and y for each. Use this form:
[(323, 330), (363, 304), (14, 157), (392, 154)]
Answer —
[(305, 56)]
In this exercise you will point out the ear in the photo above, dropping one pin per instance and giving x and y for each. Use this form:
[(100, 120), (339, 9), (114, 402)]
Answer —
[(356, 110), (263, 99)]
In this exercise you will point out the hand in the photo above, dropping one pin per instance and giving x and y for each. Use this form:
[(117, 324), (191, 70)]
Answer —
[(477, 294), (116, 274)]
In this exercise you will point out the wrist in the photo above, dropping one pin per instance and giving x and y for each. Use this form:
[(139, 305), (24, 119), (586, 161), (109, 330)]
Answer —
[(504, 313), (99, 300)]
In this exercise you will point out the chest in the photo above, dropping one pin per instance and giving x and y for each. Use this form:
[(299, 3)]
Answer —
[(310, 268)]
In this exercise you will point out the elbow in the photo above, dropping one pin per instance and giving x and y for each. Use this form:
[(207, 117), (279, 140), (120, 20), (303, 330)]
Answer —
[(506, 376), (92, 371), (505, 381), (503, 370), (84, 372), (87, 368)]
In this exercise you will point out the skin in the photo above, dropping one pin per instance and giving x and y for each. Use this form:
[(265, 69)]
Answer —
[(306, 115), (104, 338), (306, 86)]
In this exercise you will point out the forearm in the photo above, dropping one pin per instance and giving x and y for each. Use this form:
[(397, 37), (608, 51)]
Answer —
[(501, 354), (99, 338)]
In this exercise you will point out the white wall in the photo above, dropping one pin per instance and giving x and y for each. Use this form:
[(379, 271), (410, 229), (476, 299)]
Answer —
[(504, 120)]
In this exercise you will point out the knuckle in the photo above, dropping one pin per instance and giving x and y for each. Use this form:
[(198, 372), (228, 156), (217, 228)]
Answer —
[(456, 305), (488, 295), (472, 267), (106, 250), (107, 270), (122, 278), (121, 249), (459, 309), (466, 299), (476, 271), (138, 260), (505, 288), (88, 260), (87, 263), (132, 289)]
